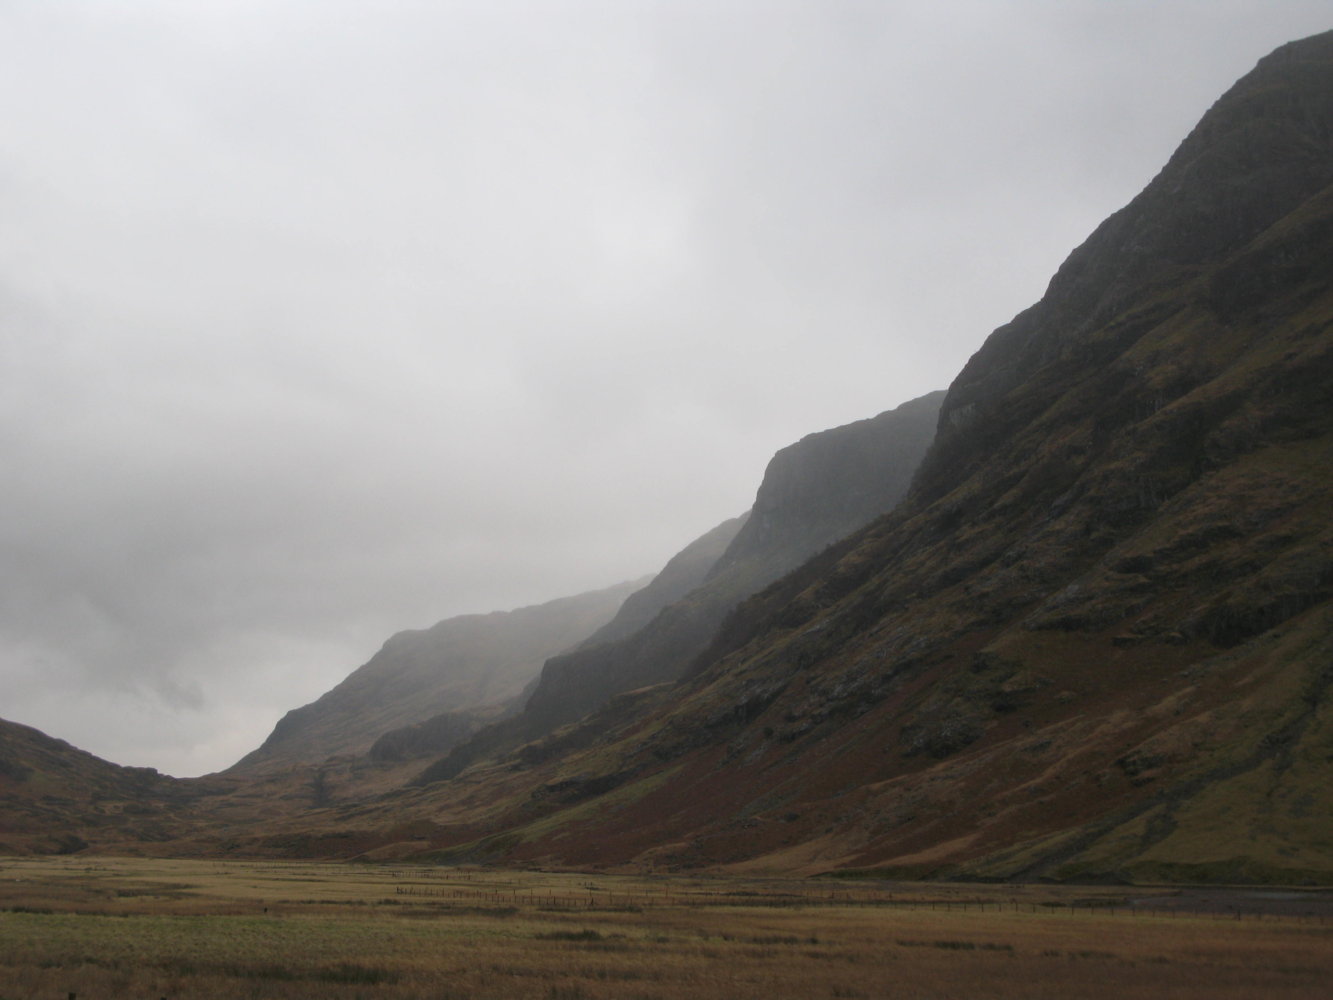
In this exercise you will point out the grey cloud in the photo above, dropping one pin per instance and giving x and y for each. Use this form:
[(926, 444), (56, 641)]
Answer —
[(323, 320)]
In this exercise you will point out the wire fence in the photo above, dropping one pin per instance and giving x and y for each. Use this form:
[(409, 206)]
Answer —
[(604, 899)]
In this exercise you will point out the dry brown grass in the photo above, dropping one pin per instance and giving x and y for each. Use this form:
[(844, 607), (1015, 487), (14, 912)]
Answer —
[(153, 928)]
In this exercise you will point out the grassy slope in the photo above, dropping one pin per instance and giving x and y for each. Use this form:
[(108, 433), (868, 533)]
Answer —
[(55, 798)]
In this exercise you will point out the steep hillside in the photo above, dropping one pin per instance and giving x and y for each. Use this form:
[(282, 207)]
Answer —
[(827, 485), (813, 493), (1094, 641), (686, 570), (57, 799), (455, 668)]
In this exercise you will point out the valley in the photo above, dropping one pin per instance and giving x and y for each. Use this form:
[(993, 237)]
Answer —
[(1069, 621)]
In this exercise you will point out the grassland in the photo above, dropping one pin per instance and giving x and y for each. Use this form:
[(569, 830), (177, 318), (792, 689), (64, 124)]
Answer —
[(106, 927)]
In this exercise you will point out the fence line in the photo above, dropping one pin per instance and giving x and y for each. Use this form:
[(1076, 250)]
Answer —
[(609, 900)]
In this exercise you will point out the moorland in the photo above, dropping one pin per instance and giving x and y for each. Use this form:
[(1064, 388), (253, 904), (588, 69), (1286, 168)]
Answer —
[(92, 927)]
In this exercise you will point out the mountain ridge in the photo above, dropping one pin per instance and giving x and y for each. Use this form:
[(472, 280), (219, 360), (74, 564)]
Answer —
[(468, 666), (1098, 626), (1092, 641), (813, 492)]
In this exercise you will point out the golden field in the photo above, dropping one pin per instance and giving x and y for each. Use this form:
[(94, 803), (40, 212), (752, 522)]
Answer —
[(128, 927)]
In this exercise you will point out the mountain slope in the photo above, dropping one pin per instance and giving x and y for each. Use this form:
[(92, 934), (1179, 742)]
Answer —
[(55, 798), (459, 665), (1092, 642), (686, 570), (813, 493), (1094, 639), (828, 484)]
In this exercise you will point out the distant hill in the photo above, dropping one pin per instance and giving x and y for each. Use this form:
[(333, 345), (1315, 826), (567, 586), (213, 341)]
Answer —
[(459, 666), (57, 799), (686, 570)]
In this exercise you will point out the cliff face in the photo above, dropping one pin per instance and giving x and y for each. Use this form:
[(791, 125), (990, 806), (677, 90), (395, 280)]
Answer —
[(462, 664), (1257, 155), (1094, 639), (828, 484), (813, 493)]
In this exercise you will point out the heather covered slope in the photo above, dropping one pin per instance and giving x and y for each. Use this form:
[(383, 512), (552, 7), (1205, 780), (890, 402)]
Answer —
[(1095, 639), (458, 666), (56, 799)]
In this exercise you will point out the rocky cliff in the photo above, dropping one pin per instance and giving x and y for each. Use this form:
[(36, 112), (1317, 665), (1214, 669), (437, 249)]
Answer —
[(685, 571), (813, 493), (827, 485)]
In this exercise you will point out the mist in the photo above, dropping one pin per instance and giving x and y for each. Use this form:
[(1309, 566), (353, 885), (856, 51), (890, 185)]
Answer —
[(322, 320)]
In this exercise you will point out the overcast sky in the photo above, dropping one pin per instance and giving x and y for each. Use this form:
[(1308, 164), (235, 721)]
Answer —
[(320, 320)]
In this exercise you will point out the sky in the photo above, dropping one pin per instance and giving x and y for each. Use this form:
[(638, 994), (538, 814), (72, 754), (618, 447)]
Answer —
[(320, 320)]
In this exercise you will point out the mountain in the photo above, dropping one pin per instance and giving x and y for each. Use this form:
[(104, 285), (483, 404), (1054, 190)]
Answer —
[(686, 570), (827, 485), (458, 670), (813, 493), (1093, 641), (55, 798)]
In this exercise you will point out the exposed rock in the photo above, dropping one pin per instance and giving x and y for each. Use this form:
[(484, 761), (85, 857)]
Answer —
[(825, 486)]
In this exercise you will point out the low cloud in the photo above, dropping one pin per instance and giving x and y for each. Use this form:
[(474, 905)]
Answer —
[(324, 320)]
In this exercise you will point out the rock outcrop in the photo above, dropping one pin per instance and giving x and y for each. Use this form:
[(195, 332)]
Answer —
[(686, 570)]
